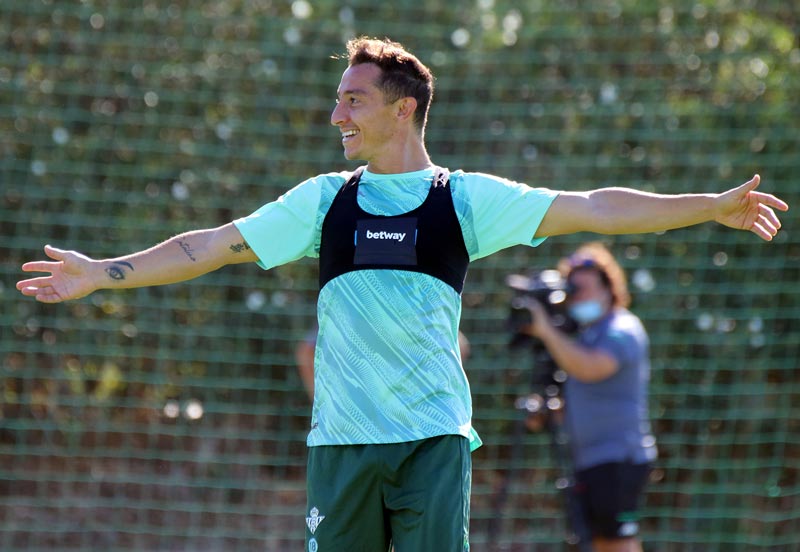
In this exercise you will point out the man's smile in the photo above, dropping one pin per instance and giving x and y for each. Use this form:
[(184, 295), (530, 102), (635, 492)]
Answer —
[(347, 135)]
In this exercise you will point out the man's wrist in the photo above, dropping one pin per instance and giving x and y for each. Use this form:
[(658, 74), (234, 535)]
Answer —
[(111, 273)]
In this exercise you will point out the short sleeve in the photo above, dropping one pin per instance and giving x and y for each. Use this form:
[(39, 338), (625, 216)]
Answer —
[(499, 213), (619, 344), (285, 229), (625, 338)]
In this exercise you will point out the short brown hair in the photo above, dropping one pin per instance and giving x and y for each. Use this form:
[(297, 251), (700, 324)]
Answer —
[(596, 256), (402, 74)]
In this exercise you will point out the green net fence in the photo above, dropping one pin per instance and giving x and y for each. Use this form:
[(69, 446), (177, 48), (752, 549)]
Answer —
[(173, 418)]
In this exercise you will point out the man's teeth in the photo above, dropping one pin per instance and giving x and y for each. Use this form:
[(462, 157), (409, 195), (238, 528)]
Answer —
[(349, 133)]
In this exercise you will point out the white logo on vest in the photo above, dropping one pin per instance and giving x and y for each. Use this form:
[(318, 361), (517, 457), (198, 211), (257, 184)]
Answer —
[(397, 236)]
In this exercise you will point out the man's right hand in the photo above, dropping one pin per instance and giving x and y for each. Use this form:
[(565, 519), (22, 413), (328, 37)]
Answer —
[(180, 258), (70, 277)]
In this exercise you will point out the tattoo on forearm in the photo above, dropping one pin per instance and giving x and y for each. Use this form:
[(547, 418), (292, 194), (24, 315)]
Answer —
[(117, 270), (187, 249), (239, 247)]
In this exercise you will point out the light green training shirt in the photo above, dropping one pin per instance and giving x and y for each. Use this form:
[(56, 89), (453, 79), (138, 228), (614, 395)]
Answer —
[(387, 366)]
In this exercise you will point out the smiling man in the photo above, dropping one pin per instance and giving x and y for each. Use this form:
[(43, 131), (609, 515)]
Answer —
[(391, 433)]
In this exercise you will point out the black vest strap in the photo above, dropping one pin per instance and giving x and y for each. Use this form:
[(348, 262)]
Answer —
[(427, 239)]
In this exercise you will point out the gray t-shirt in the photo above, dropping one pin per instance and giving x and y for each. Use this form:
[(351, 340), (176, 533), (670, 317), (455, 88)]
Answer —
[(608, 421)]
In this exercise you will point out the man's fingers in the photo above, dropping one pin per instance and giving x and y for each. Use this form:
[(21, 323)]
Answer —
[(54, 252), (768, 225), (763, 198), (48, 296), (43, 292), (42, 287), (764, 228), (751, 184), (768, 214), (34, 283), (759, 231), (771, 200), (39, 266), (27, 290)]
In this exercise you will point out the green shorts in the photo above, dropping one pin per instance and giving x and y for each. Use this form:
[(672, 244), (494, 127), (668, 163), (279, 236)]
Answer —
[(367, 498)]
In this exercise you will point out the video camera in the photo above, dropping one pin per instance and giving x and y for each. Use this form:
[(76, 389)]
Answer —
[(550, 290)]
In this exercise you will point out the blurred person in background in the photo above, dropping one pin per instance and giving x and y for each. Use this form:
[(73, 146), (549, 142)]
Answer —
[(606, 395), (391, 434)]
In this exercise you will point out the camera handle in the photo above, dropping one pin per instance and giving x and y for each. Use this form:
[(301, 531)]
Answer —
[(578, 535)]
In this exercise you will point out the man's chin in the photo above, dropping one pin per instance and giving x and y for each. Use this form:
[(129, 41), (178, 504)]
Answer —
[(351, 155)]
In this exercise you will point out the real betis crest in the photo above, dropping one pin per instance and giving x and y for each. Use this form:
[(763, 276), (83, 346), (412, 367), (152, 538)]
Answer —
[(314, 519)]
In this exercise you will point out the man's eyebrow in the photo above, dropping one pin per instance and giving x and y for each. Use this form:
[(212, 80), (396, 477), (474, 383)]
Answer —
[(353, 92)]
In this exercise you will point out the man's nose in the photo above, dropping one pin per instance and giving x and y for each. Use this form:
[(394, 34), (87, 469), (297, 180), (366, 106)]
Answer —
[(337, 115)]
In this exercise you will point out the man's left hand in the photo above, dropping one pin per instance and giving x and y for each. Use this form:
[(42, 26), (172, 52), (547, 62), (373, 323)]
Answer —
[(744, 208)]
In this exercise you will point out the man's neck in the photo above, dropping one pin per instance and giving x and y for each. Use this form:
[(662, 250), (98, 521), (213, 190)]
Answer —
[(412, 158)]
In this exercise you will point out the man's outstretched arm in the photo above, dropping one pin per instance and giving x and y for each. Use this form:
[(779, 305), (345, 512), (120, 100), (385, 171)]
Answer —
[(73, 275), (626, 211)]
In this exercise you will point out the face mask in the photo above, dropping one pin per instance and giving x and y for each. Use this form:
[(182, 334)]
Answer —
[(586, 312)]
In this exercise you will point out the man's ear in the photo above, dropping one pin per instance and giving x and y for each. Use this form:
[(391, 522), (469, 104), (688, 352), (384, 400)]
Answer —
[(406, 107)]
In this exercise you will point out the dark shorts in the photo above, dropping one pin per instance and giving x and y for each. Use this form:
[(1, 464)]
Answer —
[(610, 497), (366, 498)]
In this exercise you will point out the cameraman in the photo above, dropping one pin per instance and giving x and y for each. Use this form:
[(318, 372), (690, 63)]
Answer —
[(606, 413)]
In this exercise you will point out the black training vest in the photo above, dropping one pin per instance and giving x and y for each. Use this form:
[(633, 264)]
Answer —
[(427, 239)]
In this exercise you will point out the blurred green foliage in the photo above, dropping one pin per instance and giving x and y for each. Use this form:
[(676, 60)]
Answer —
[(172, 418)]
